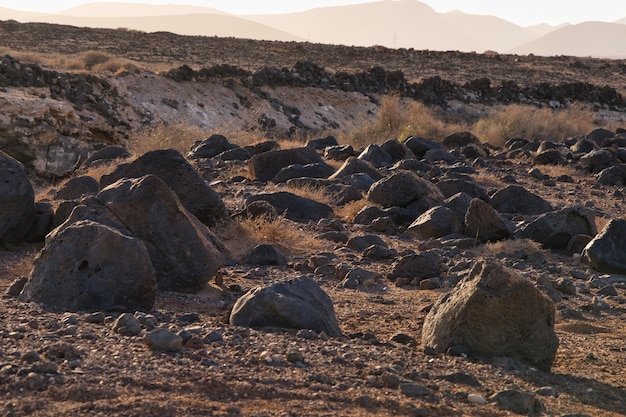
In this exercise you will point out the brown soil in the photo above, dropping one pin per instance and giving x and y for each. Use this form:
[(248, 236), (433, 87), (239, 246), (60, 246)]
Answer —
[(61, 364), (164, 51)]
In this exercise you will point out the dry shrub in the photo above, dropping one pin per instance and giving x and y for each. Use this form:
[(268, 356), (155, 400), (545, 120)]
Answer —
[(116, 66), (93, 58), (391, 116), (511, 247), (19, 265), (290, 237), (401, 119), (349, 211), (318, 194), (180, 137), (602, 223), (98, 170), (424, 121), (533, 123), (243, 137)]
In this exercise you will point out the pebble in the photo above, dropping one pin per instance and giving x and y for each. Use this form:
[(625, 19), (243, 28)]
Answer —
[(307, 334), (402, 338), (413, 390), (127, 325), (96, 318), (476, 399), (295, 357), (608, 291), (215, 336), (519, 402), (163, 340)]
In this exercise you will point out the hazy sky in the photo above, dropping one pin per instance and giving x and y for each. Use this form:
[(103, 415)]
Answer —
[(524, 12)]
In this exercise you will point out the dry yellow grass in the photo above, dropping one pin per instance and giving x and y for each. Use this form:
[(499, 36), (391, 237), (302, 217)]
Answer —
[(399, 119), (180, 137), (92, 61), (318, 194), (533, 123), (290, 237), (509, 247), (349, 211)]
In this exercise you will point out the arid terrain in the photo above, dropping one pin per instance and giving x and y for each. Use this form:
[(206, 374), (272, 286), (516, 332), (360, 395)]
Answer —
[(60, 363)]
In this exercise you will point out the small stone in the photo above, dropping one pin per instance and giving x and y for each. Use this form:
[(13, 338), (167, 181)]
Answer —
[(403, 338), (519, 402), (578, 275), (390, 380), (189, 318), (365, 401), (209, 362), (294, 357), (608, 291), (31, 357), (127, 325), (413, 390), (96, 318), (163, 340), (147, 320), (430, 284), (307, 334), (462, 378), (476, 399), (215, 336), (536, 173), (567, 286), (16, 287)]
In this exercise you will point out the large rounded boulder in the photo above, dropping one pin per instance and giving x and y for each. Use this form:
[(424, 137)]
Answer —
[(296, 304), (17, 200), (402, 189), (183, 251), (174, 170), (607, 251), (494, 313), (88, 266)]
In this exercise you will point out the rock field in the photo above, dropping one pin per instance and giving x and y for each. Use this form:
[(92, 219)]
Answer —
[(444, 277)]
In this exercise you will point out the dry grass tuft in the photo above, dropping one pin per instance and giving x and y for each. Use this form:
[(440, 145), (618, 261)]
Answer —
[(401, 119), (511, 247), (87, 61), (533, 123), (318, 194), (349, 211), (180, 137), (99, 170), (290, 237)]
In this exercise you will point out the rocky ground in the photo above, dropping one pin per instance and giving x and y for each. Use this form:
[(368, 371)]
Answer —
[(73, 363)]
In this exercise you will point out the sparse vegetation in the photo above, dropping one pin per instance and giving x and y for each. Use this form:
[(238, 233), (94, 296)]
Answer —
[(180, 137), (292, 238), (400, 119), (314, 193), (530, 122), (93, 61)]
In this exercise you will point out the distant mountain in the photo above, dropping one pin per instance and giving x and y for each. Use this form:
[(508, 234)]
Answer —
[(597, 39), (104, 9), (10, 14), (220, 24), (389, 23), (490, 32), (403, 23), (544, 28)]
